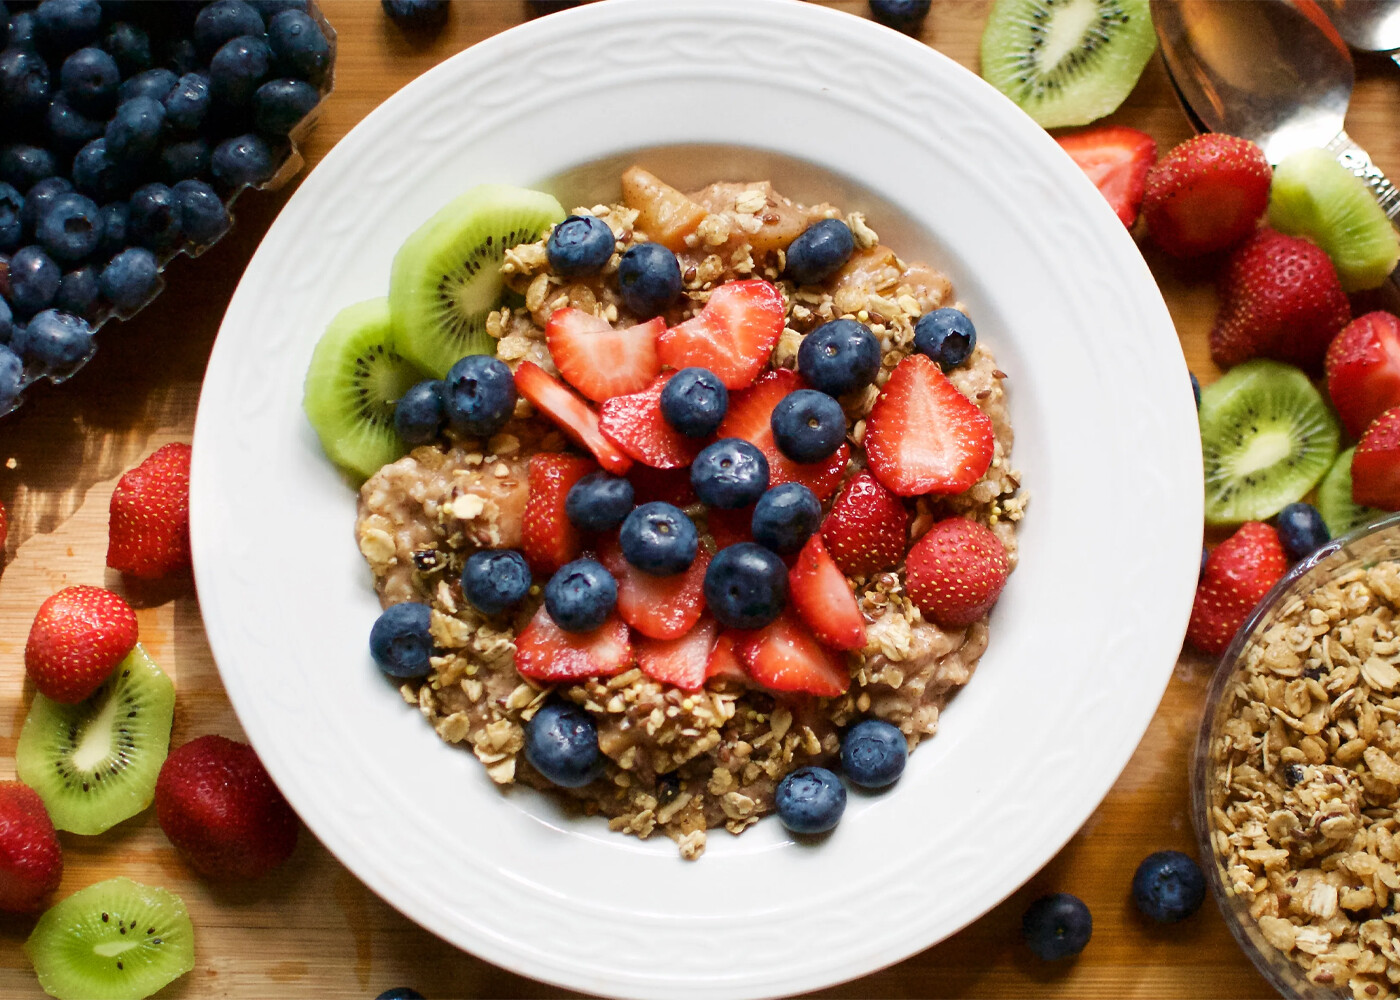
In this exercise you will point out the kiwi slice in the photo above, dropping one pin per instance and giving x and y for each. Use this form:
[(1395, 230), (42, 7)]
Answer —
[(1334, 502), (1067, 62), (1266, 439), (446, 277), (95, 763), (116, 940), (354, 380), (1313, 195)]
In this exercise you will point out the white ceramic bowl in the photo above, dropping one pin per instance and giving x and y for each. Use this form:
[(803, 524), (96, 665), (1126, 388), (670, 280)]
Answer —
[(1083, 641)]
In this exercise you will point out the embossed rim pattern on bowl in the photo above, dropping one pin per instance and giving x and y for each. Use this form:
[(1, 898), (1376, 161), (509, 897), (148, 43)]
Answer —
[(1083, 641)]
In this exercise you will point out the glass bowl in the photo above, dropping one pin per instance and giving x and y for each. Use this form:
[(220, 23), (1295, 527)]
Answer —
[(1224, 743)]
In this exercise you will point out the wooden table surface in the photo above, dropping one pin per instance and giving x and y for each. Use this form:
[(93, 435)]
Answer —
[(311, 929)]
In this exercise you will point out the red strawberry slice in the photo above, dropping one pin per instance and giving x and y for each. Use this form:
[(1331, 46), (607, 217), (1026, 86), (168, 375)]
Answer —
[(730, 527), (1363, 370), (148, 532), (732, 336), (1206, 194), (545, 652), (750, 417), (552, 398), (597, 360), (823, 599), (1375, 466), (659, 607), (784, 656), (635, 424), (956, 572), (548, 538), (78, 637), (724, 659), (867, 527), (1237, 574), (666, 485), (31, 858), (1116, 158), (679, 661), (923, 435)]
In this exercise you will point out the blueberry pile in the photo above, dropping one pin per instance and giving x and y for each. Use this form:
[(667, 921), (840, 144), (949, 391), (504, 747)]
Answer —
[(126, 130)]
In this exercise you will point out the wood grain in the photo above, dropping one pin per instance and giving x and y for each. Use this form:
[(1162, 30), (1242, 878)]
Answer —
[(312, 930)]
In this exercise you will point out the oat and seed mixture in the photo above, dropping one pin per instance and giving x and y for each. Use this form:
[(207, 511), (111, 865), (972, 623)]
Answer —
[(678, 762), (1304, 779)]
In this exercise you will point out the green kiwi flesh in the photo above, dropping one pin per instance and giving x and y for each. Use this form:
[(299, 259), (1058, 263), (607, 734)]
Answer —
[(95, 763), (1267, 437), (446, 277), (352, 385), (1313, 195), (1067, 62), (116, 940), (1341, 513)]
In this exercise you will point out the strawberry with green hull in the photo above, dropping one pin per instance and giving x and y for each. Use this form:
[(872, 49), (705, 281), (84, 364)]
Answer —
[(1363, 370), (1206, 194), (548, 538), (1237, 574), (1116, 158)]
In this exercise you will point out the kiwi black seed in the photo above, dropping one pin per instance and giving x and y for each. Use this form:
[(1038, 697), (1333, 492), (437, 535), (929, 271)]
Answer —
[(1267, 437)]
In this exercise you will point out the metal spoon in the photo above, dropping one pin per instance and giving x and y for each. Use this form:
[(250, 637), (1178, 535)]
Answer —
[(1367, 25)]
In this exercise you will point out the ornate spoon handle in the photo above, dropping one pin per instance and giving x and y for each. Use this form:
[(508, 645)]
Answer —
[(1356, 159)]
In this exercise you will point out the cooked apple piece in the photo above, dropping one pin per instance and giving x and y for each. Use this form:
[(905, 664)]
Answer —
[(664, 214)]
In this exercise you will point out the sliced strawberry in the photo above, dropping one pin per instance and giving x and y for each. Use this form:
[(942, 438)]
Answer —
[(548, 538), (1363, 370), (732, 336), (1375, 466), (823, 599), (724, 660), (923, 435), (659, 607), (1116, 158), (552, 398), (635, 424), (730, 527), (867, 528), (597, 360), (750, 417), (784, 656), (545, 652), (679, 661), (666, 485)]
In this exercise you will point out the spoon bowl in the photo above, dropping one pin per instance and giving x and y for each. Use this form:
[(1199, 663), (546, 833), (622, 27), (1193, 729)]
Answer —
[(1367, 25)]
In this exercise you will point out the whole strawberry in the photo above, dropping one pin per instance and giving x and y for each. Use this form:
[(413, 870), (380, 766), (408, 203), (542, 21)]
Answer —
[(867, 527), (78, 637), (31, 860), (1237, 574), (1206, 194), (955, 573), (149, 526), (217, 805), (1375, 465), (1280, 298), (1363, 369)]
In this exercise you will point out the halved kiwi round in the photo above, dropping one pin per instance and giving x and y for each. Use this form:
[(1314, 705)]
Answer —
[(1267, 437), (1341, 513), (446, 277)]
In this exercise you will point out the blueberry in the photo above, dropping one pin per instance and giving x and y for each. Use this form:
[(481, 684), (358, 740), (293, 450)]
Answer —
[(182, 56), (39, 199), (648, 278), (23, 28), (1057, 926), (1301, 530), (299, 46), (70, 228), (561, 742), (24, 165), (65, 25), (238, 69), (1168, 886), (839, 357), (421, 414), (810, 800), (11, 223), (279, 105), (222, 21), (494, 580), (154, 222), (400, 993), (69, 128), (34, 279), (1195, 388), (184, 160), (271, 8), (946, 335), (11, 376), (731, 473), (78, 292), (400, 642), (785, 517), (89, 79), (133, 134), (244, 159), (24, 81), (203, 217), (96, 175), (188, 103), (1205, 557), (819, 251), (55, 342), (130, 278), (416, 15), (113, 216), (130, 46), (581, 244), (901, 15), (7, 320), (873, 753), (580, 596), (808, 425), (746, 586), (659, 538), (153, 83), (599, 502), (480, 395), (694, 402)]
